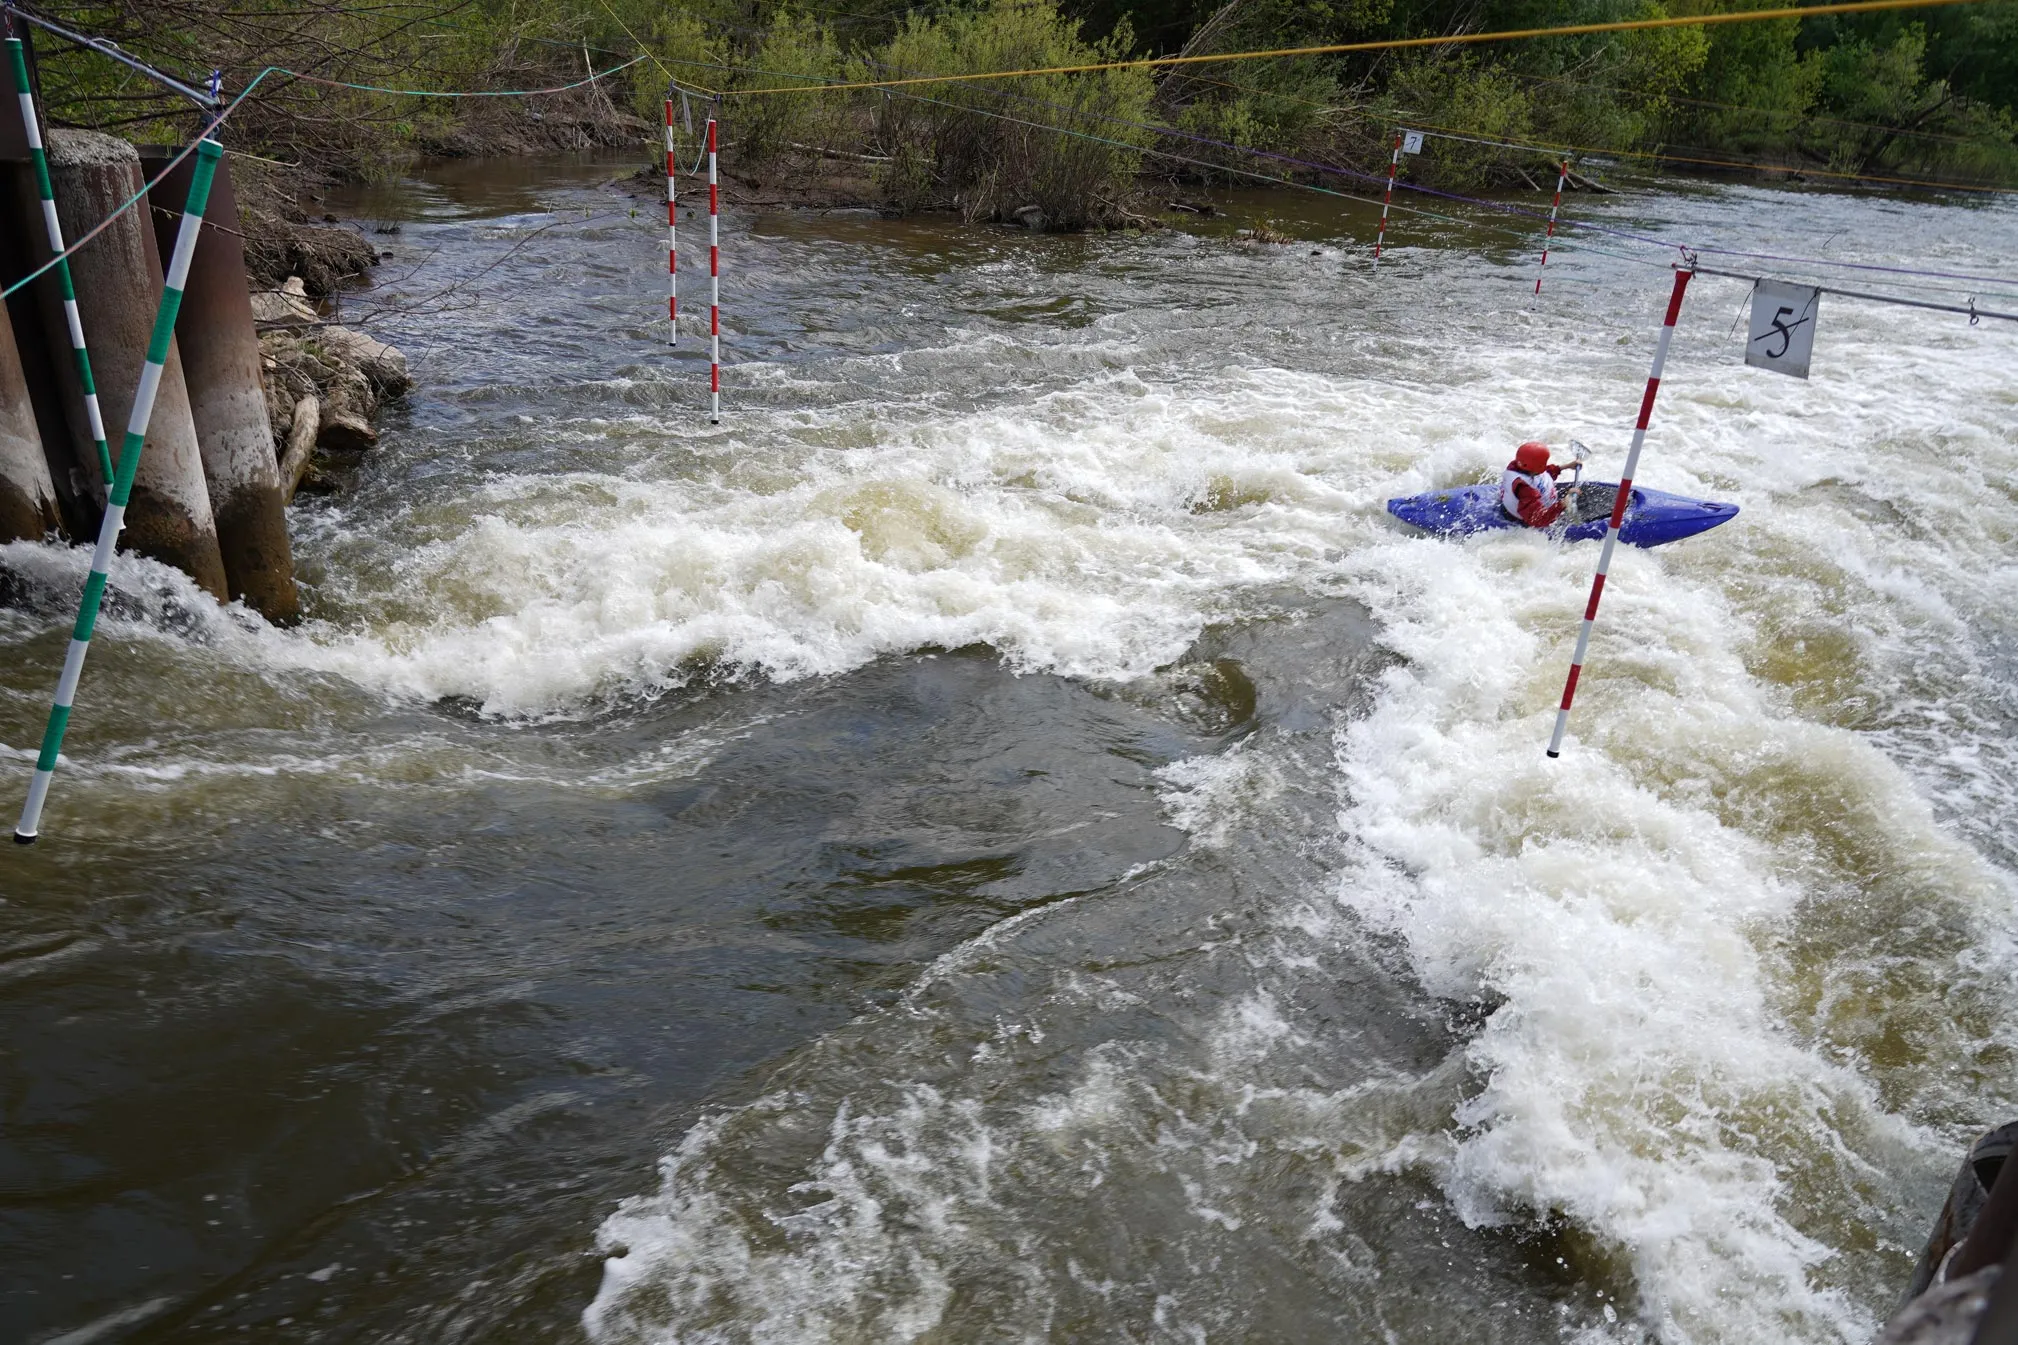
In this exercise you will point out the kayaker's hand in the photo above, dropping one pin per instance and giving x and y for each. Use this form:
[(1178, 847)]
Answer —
[(1578, 463)]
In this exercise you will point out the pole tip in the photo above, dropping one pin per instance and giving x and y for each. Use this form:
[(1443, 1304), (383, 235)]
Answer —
[(1553, 754), (24, 838)]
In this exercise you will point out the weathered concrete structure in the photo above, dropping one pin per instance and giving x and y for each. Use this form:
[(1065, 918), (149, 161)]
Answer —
[(227, 403), (118, 280), (23, 248), (27, 496)]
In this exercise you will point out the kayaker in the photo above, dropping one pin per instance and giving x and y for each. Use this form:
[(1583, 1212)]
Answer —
[(1527, 488)]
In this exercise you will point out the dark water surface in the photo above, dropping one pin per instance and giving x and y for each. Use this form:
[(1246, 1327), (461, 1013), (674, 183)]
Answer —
[(1001, 839)]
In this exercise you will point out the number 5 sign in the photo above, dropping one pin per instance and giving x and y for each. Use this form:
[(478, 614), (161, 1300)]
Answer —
[(1783, 327)]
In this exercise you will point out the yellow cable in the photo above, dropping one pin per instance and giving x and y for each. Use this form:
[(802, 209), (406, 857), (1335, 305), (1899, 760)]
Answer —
[(1388, 44), (716, 93)]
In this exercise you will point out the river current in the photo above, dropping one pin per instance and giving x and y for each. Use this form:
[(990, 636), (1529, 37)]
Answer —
[(1003, 839)]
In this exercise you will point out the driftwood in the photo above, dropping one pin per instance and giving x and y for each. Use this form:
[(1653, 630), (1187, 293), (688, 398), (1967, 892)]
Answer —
[(344, 430), (1591, 184), (300, 446)]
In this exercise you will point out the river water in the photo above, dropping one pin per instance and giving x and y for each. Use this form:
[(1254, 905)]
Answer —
[(1002, 839)]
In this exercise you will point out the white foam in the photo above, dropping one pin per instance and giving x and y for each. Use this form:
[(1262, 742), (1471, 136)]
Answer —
[(1690, 940), (1740, 964), (1658, 1069), (1209, 794)]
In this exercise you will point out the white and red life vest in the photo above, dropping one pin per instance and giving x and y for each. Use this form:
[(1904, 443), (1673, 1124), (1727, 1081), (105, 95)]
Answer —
[(1541, 483)]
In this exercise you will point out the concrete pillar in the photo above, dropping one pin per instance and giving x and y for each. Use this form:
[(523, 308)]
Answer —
[(118, 279), (27, 496), (21, 251), (221, 364), (20, 227)]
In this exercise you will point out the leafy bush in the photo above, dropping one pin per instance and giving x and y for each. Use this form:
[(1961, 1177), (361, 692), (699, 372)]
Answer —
[(794, 52), (990, 156)]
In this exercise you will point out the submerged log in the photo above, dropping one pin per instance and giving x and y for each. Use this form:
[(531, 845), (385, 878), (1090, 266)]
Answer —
[(300, 446)]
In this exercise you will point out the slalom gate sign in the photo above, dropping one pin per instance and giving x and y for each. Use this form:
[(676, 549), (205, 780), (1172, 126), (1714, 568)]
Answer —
[(1782, 336)]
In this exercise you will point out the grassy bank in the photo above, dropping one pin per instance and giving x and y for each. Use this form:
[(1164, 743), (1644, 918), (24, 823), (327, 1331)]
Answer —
[(1928, 95)]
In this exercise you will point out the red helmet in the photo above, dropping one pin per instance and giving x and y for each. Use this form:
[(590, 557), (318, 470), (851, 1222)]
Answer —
[(1531, 456)]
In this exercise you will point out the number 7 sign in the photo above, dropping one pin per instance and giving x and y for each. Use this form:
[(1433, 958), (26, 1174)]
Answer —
[(1782, 335)]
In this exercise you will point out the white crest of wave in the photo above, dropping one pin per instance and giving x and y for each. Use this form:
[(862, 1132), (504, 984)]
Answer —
[(1641, 1073), (1078, 553)]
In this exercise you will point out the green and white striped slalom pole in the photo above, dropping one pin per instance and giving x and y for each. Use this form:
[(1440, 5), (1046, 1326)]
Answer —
[(17, 57), (208, 152)]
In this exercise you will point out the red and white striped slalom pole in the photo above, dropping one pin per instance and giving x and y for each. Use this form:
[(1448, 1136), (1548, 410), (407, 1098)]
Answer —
[(672, 237), (1553, 208), (1393, 165), (714, 285), (1682, 274)]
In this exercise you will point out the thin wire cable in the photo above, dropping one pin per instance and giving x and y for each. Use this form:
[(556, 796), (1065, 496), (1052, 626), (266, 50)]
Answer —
[(476, 93), (1318, 166), (106, 47), (1971, 311), (1612, 88), (1663, 156), (219, 119), (1270, 178), (1321, 167), (1402, 43), (646, 49), (209, 129), (1657, 156)]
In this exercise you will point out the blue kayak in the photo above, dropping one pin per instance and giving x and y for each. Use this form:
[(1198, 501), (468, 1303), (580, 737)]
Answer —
[(1652, 516)]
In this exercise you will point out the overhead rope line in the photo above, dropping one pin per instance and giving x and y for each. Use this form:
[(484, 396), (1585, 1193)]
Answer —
[(907, 78), (246, 92), (1611, 88), (461, 93), (1658, 156), (209, 129), (1663, 156), (1321, 167), (1971, 311), (1689, 254), (1390, 44), (816, 83), (644, 47), (105, 47), (1271, 178)]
